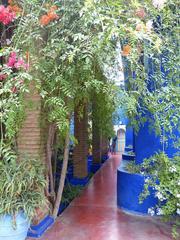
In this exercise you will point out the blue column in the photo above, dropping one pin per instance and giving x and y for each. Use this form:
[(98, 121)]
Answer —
[(129, 136), (147, 143)]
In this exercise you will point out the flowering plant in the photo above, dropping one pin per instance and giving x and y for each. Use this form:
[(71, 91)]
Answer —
[(13, 84), (6, 15), (165, 180)]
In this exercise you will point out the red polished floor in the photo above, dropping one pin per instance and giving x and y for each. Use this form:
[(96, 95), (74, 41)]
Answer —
[(95, 216)]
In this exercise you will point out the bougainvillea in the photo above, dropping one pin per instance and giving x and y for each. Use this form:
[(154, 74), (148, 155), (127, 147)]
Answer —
[(16, 62), (6, 15)]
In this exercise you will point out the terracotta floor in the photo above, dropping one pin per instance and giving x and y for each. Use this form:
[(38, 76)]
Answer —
[(95, 216)]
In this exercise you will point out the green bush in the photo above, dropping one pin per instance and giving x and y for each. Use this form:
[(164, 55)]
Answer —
[(21, 187), (163, 175)]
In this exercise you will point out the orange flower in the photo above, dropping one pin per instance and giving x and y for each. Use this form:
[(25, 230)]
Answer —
[(139, 27), (140, 12), (15, 8), (10, 2), (52, 15), (45, 20), (126, 50), (53, 8)]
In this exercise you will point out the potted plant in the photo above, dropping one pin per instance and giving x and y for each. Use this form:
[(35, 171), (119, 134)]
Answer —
[(22, 187)]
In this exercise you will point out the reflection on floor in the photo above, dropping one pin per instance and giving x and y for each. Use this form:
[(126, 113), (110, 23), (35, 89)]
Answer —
[(95, 216)]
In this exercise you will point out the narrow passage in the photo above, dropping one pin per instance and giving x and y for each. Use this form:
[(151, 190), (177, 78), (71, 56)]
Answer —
[(95, 216)]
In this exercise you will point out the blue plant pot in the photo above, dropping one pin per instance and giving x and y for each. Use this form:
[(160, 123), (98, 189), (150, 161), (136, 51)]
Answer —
[(79, 181), (62, 207), (105, 158), (128, 149), (95, 167), (10, 232), (129, 189), (89, 164), (36, 231), (128, 157)]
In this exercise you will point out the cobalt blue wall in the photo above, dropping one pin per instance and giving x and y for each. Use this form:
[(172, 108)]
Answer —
[(129, 136), (147, 144), (146, 141)]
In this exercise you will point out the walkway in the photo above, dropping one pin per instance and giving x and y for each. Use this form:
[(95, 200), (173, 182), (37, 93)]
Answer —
[(95, 216)]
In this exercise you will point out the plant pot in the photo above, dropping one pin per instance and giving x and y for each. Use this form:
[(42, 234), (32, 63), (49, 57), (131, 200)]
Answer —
[(8, 231)]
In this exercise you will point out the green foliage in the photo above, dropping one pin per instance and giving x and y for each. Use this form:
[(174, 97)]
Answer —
[(68, 58), (163, 175), (21, 186), (70, 192), (12, 88), (70, 55)]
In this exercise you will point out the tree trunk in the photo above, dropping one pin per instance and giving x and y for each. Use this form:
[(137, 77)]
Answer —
[(63, 176), (81, 134), (50, 141), (96, 134), (104, 146), (96, 145)]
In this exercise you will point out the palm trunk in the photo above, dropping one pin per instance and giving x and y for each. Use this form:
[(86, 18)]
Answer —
[(63, 176)]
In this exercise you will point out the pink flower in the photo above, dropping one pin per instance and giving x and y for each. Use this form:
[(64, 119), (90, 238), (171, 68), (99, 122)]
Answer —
[(2, 77), (21, 82), (140, 12), (6, 16), (14, 89), (12, 60), (19, 63), (13, 55)]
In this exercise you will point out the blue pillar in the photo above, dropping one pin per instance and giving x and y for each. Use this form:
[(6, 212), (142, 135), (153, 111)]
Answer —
[(146, 143), (129, 148), (129, 136)]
